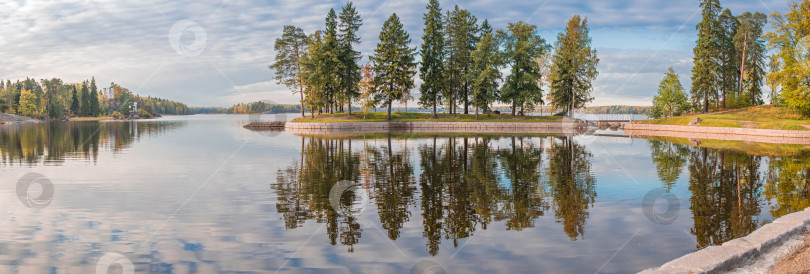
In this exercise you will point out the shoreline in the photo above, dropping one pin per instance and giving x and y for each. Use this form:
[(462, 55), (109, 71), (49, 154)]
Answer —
[(307, 128), (773, 136)]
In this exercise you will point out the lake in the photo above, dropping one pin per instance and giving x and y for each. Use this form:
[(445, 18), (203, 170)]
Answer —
[(201, 194)]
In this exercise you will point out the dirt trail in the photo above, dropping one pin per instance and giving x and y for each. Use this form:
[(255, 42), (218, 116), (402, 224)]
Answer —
[(796, 262)]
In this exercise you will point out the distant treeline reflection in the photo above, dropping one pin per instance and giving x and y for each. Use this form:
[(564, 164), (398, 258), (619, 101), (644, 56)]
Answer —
[(468, 184), (52, 143)]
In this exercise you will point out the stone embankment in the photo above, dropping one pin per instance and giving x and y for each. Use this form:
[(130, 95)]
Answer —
[(739, 252), (720, 133), (304, 128)]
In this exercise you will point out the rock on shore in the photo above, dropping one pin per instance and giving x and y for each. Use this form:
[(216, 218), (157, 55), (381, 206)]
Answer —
[(6, 118)]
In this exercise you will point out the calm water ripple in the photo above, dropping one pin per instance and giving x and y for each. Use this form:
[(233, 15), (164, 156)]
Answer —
[(201, 194)]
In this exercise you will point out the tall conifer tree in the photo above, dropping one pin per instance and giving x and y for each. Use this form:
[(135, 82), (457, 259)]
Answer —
[(432, 67), (394, 64), (706, 72), (350, 77)]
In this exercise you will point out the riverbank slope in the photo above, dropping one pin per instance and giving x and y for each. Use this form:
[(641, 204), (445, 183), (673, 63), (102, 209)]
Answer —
[(759, 117)]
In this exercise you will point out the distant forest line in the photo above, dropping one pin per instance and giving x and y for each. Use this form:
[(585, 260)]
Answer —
[(261, 107)]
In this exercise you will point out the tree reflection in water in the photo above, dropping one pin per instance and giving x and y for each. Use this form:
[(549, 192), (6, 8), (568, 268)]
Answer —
[(465, 185), (53, 143), (471, 183)]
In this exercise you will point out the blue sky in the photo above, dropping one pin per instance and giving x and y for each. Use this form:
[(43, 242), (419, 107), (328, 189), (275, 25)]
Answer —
[(216, 53)]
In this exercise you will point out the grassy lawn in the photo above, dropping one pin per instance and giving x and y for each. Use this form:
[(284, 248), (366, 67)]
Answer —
[(762, 117), (750, 148), (424, 117)]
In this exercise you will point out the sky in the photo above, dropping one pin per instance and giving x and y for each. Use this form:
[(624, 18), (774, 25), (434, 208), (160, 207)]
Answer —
[(216, 53)]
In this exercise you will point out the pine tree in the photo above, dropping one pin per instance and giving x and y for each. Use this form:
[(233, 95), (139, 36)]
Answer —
[(394, 64), (573, 67), (706, 71), (485, 73), (522, 45), (350, 23), (432, 68), (751, 52), (671, 99), (289, 48), (74, 105)]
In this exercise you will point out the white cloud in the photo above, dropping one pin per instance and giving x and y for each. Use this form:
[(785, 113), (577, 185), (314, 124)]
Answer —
[(127, 41)]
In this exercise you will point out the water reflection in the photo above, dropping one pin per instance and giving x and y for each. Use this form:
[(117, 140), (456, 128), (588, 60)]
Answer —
[(726, 191), (53, 143), (465, 184), (787, 184)]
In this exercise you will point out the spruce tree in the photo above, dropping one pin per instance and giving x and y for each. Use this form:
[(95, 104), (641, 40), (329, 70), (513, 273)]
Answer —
[(85, 101), (671, 99), (350, 23), (394, 64), (432, 67), (706, 71), (461, 32), (95, 109), (573, 67), (74, 105), (332, 65)]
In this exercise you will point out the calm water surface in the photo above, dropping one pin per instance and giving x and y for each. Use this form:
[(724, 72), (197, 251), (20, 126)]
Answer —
[(201, 194)]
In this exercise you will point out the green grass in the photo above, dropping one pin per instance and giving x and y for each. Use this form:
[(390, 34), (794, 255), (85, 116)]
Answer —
[(424, 117), (423, 135), (762, 117), (750, 148)]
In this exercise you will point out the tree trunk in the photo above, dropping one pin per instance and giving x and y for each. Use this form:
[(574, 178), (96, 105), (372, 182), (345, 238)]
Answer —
[(742, 67), (350, 107), (389, 110), (476, 113), (514, 106), (466, 103), (705, 101), (434, 110)]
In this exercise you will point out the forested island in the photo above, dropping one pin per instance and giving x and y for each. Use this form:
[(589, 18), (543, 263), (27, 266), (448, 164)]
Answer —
[(460, 64), (461, 61), (55, 99)]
